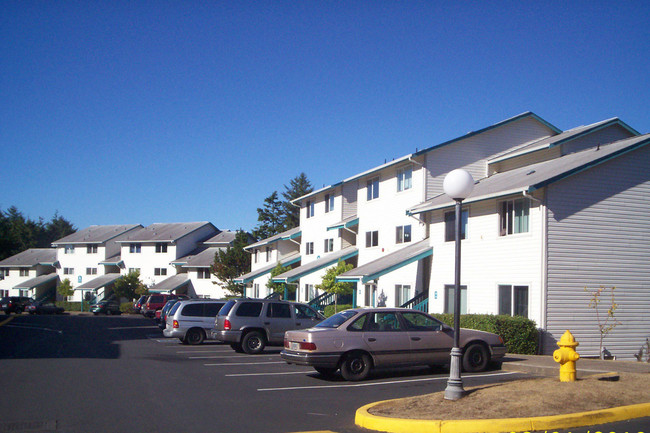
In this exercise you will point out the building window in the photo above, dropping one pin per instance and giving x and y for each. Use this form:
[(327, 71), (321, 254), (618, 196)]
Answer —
[(4, 293), (161, 247), (68, 249), (372, 239), (160, 271), (513, 300), (449, 299), (513, 216), (255, 256), (91, 271), (269, 252), (372, 188), (329, 245), (256, 291), (131, 270), (403, 234), (404, 178), (91, 249), (310, 208), (203, 274), (309, 248), (24, 272), (329, 203), (402, 294), (68, 271), (6, 272), (450, 226), (309, 292), (135, 248)]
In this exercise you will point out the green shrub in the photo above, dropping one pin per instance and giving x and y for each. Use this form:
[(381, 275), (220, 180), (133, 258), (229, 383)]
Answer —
[(519, 334), (329, 310), (73, 306), (127, 307)]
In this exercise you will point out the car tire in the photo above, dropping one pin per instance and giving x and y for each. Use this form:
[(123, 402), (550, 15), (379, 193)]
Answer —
[(237, 347), (253, 343), (194, 336), (475, 358), (356, 366), (325, 371)]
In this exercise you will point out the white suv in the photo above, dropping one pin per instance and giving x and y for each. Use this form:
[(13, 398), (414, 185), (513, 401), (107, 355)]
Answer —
[(192, 320)]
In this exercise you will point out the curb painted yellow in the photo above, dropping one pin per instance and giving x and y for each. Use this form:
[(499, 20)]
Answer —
[(365, 419), (4, 322)]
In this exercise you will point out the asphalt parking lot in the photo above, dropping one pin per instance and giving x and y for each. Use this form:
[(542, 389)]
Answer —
[(83, 373)]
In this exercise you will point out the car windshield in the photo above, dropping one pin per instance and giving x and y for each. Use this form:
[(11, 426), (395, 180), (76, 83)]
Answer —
[(336, 320)]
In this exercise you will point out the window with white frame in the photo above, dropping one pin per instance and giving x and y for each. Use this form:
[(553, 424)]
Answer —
[(203, 273), (513, 300), (309, 292), (309, 248), (402, 234), (256, 291), (4, 293), (135, 248), (160, 271), (91, 271), (269, 253), (514, 216), (372, 188), (68, 249), (450, 225), (255, 256), (24, 272), (68, 271), (6, 272), (450, 290), (372, 239), (91, 249), (329, 203), (310, 208), (329, 245), (402, 294), (404, 178), (161, 247)]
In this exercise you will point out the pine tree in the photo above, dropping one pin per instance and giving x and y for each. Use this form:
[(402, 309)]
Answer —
[(231, 263), (298, 186), (270, 217)]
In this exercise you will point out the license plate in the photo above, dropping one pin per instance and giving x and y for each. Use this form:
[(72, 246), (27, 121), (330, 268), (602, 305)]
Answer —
[(294, 346)]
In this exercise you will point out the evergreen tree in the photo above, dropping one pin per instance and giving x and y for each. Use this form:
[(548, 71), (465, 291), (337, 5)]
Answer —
[(298, 186), (231, 263), (270, 217)]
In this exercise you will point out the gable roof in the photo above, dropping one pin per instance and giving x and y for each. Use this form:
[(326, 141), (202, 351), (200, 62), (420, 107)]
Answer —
[(165, 232), (96, 234), (30, 258), (284, 236), (527, 114), (535, 176), (224, 238)]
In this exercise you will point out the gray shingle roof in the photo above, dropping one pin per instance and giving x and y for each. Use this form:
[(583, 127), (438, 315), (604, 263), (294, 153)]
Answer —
[(33, 283), (535, 176), (225, 238), (30, 258), (165, 232), (289, 234), (285, 261), (95, 234), (311, 267), (101, 281), (170, 284), (204, 259)]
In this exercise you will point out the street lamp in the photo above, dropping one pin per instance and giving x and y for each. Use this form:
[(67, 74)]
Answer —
[(458, 184)]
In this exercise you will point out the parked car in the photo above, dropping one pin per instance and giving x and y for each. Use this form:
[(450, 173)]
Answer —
[(249, 325), (358, 340), (191, 321), (162, 321), (14, 304), (44, 307), (157, 301), (106, 307), (137, 307)]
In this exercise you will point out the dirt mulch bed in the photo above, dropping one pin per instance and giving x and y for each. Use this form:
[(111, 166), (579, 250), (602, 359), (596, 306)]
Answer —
[(525, 398)]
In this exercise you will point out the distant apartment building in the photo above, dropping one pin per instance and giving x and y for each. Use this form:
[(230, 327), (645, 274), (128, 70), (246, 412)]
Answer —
[(31, 273)]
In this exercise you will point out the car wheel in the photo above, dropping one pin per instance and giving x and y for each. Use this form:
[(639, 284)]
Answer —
[(183, 340), (253, 343), (325, 371), (356, 366), (475, 358), (194, 336), (237, 347)]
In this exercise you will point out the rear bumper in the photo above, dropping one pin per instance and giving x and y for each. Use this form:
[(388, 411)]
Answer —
[(325, 360), (226, 336)]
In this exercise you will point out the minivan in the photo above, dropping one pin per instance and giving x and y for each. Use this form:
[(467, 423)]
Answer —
[(191, 320)]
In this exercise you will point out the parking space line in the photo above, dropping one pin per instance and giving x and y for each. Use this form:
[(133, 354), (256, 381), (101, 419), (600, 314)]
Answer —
[(365, 384), (7, 320), (270, 374), (221, 356), (244, 363), (119, 328)]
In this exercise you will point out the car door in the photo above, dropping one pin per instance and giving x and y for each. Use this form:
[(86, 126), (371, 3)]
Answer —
[(430, 342), (305, 317), (210, 311), (278, 320), (386, 339)]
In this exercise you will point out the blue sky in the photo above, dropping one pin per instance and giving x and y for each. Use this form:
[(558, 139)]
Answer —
[(118, 112)]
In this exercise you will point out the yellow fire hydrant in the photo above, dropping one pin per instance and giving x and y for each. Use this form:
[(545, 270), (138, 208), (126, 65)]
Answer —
[(567, 357)]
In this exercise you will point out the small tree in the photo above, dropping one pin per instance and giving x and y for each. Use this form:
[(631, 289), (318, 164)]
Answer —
[(129, 286), (330, 285), (608, 323), (278, 287), (231, 263), (65, 289)]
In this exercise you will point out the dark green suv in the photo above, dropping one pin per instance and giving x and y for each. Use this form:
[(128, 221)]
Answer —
[(14, 304)]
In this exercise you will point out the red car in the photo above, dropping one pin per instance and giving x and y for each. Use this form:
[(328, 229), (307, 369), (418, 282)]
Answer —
[(156, 302)]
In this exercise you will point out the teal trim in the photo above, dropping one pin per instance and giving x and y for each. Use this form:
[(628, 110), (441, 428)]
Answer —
[(312, 270), (348, 280), (595, 129), (264, 272), (396, 266), (346, 225)]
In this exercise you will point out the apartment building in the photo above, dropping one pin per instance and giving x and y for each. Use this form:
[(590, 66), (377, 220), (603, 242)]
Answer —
[(30, 273)]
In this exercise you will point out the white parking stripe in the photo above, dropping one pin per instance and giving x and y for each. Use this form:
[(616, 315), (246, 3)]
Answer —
[(358, 385), (270, 374), (222, 356), (244, 363)]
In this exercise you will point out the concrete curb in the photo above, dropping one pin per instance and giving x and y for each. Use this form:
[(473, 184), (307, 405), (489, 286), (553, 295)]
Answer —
[(553, 422)]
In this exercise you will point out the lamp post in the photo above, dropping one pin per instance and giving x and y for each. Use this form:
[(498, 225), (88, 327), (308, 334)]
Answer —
[(458, 184)]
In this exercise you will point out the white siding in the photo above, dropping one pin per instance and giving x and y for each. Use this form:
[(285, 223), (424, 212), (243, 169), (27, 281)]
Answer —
[(606, 135), (599, 235), (349, 193)]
